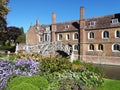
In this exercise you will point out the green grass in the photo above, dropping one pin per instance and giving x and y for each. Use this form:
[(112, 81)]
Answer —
[(110, 85), (28, 83)]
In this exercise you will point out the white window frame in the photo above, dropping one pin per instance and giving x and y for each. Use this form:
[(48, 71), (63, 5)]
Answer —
[(58, 37), (105, 36), (114, 49), (66, 26), (92, 23), (74, 36), (67, 35), (100, 48), (115, 21), (116, 34), (91, 49), (74, 49), (89, 35)]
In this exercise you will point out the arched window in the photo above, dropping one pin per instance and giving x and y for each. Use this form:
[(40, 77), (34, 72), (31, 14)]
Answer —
[(105, 34), (91, 47), (90, 35), (59, 37), (117, 34), (116, 47), (100, 47), (75, 36), (67, 36), (75, 47)]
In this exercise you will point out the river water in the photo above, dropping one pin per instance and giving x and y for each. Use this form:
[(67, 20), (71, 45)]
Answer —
[(111, 71)]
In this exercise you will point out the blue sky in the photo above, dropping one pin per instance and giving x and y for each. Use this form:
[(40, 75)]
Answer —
[(25, 12)]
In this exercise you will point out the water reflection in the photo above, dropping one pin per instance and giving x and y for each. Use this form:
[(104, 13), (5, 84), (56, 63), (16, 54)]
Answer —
[(111, 71)]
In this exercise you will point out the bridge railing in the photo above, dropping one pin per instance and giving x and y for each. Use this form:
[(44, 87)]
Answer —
[(47, 47)]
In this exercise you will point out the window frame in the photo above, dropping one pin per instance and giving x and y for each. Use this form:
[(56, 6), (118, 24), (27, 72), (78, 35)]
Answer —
[(75, 47), (104, 36), (91, 35), (92, 23), (67, 36), (66, 26), (116, 48), (74, 36), (115, 21), (117, 35), (100, 47), (59, 39), (91, 47)]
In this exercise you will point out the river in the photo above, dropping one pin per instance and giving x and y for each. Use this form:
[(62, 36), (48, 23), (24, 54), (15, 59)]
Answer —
[(111, 71)]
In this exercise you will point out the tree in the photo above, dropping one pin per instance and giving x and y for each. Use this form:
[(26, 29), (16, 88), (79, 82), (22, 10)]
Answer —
[(3, 24), (13, 33), (4, 9), (22, 37)]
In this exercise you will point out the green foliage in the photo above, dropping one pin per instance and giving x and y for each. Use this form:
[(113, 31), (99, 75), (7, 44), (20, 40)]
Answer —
[(36, 81), (71, 80), (110, 85), (12, 57), (6, 47), (24, 86), (78, 66), (21, 38), (3, 7), (55, 64)]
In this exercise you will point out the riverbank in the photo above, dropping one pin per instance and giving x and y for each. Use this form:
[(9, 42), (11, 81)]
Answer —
[(111, 71), (110, 85)]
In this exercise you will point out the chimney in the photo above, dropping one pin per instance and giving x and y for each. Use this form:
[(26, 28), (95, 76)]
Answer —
[(81, 13), (53, 18)]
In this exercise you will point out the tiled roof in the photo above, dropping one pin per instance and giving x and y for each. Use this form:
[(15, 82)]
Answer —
[(102, 22), (67, 26)]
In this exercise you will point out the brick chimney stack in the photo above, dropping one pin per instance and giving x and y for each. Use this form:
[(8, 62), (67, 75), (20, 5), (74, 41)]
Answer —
[(53, 18), (53, 37), (81, 13)]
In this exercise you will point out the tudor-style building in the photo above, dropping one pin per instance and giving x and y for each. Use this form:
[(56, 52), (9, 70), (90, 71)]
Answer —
[(93, 39)]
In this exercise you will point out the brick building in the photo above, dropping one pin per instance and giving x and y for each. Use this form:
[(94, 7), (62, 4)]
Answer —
[(94, 40)]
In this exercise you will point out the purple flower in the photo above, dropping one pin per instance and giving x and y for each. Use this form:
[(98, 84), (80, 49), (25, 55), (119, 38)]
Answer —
[(19, 67)]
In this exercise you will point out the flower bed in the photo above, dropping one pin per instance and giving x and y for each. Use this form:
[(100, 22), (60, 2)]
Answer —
[(60, 73)]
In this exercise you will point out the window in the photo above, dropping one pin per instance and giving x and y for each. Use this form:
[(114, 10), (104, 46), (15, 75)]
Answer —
[(91, 47), (45, 37), (92, 23), (67, 37), (100, 47), (105, 34), (117, 34), (75, 47), (115, 20), (75, 36), (90, 35), (116, 47), (41, 39), (59, 37), (66, 26)]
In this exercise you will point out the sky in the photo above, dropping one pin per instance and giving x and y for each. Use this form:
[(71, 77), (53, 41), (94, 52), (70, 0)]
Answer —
[(23, 13)]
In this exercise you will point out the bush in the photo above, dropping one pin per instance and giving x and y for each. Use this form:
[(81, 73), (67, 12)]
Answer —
[(80, 66), (9, 48), (24, 86), (55, 64), (36, 81)]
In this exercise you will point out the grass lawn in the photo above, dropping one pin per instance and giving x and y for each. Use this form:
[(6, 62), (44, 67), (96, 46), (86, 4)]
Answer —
[(110, 85)]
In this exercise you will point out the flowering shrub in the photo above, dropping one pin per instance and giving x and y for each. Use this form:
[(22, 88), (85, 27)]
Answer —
[(19, 67), (55, 64)]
